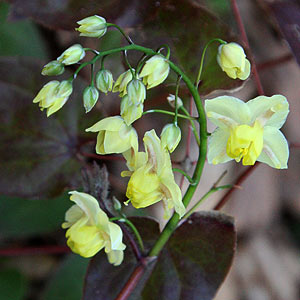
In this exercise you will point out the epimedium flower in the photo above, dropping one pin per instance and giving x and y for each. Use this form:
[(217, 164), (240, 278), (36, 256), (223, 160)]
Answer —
[(53, 95), (53, 68), (89, 229), (248, 131), (170, 136), (232, 60), (114, 135), (121, 83), (93, 26), (155, 71), (136, 91), (104, 81), (72, 55), (151, 177)]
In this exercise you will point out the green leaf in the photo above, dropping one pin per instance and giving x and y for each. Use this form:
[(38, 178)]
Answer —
[(13, 284), (20, 37), (194, 262), (67, 282), (40, 156), (17, 216)]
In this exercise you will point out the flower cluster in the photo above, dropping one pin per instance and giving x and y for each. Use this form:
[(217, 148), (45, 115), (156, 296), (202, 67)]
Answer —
[(246, 132)]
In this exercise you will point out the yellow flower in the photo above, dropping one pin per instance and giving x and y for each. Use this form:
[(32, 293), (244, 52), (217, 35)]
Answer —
[(130, 112), (114, 135), (232, 60), (248, 131), (72, 55), (94, 26), (53, 95), (121, 83), (155, 71), (89, 229), (152, 178)]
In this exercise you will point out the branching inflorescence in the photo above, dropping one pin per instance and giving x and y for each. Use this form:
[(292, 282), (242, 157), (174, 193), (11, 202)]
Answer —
[(246, 132)]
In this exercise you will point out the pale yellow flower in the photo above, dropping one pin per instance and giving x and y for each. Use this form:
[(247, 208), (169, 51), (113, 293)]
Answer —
[(53, 95), (232, 60), (152, 178), (89, 229), (155, 71), (248, 131), (114, 135), (170, 137), (94, 26)]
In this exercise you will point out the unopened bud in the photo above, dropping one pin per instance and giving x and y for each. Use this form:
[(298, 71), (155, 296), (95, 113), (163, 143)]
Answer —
[(171, 100), (72, 55), (90, 97), (129, 111), (53, 68), (136, 91), (117, 204), (121, 83), (94, 26), (104, 81), (64, 89), (170, 137)]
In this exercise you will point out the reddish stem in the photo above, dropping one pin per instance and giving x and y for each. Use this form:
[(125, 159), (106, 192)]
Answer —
[(132, 282), (244, 37), (237, 183), (34, 250)]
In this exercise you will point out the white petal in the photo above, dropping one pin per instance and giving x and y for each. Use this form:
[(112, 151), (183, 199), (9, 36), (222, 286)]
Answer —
[(270, 111), (226, 111), (217, 147), (276, 151)]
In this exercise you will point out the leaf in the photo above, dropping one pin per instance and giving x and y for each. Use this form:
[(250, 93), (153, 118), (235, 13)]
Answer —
[(17, 216), (287, 15), (194, 262), (39, 154), (67, 282), (13, 284), (19, 38)]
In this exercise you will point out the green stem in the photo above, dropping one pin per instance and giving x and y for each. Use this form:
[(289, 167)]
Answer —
[(133, 228), (211, 191), (189, 178), (166, 112), (128, 64), (128, 39), (92, 74), (194, 129), (202, 59), (165, 46), (92, 50), (176, 100), (173, 222)]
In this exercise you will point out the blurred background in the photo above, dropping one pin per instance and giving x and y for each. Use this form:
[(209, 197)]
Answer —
[(41, 159)]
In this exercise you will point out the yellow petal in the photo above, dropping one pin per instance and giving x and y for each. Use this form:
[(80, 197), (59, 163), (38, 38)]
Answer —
[(111, 123), (114, 142), (116, 236), (269, 111), (243, 75), (275, 151), (217, 147), (115, 257), (226, 111)]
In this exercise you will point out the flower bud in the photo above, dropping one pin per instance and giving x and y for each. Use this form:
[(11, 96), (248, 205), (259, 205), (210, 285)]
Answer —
[(136, 91), (129, 111), (121, 83), (53, 68), (104, 81), (117, 204), (72, 55), (90, 97), (170, 137), (94, 26), (232, 60), (155, 71), (171, 100)]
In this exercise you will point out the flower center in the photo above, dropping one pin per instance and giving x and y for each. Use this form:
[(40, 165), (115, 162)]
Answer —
[(245, 142)]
